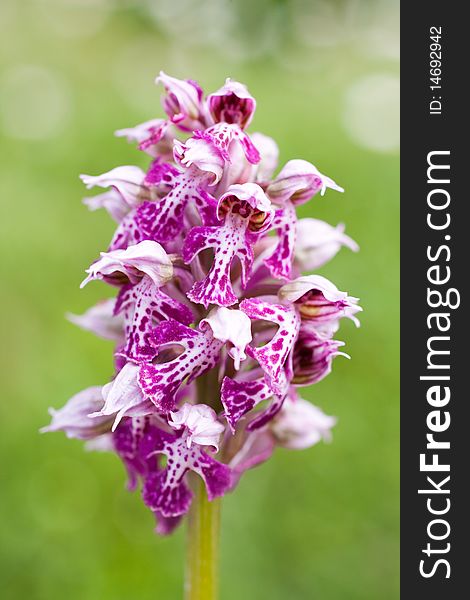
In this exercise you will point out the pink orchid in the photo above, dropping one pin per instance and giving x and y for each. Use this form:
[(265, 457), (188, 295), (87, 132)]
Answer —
[(183, 102), (319, 302), (214, 323), (318, 242), (232, 104)]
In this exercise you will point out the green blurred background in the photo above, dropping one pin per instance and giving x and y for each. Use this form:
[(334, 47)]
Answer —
[(321, 523)]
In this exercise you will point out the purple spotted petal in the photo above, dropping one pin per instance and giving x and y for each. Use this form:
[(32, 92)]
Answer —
[(272, 356), (164, 220), (224, 135), (215, 474), (246, 211), (239, 397), (161, 177), (133, 440), (227, 242), (160, 382), (183, 102), (143, 306), (166, 490), (280, 261)]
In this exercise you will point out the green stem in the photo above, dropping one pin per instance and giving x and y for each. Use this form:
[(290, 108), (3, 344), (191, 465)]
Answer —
[(202, 563)]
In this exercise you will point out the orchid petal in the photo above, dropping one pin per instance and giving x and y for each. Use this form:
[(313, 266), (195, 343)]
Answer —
[(246, 212), (298, 181), (319, 300), (183, 102), (112, 201), (280, 261), (101, 321), (272, 356), (74, 419), (238, 398), (123, 397), (127, 180), (164, 220), (160, 382), (153, 137), (301, 425), (313, 356), (232, 103), (201, 423), (121, 266), (166, 490), (318, 242), (230, 326), (257, 447), (144, 305), (133, 440)]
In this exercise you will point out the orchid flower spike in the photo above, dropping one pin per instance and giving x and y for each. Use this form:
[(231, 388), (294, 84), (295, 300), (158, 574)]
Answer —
[(215, 325)]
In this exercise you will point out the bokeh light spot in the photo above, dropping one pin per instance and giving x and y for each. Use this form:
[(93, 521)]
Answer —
[(35, 102), (371, 112)]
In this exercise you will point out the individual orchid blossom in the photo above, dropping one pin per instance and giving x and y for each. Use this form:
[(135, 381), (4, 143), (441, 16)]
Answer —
[(74, 418), (153, 137), (246, 213), (297, 182), (313, 356), (183, 102), (165, 490), (320, 302), (232, 104), (318, 242), (214, 323)]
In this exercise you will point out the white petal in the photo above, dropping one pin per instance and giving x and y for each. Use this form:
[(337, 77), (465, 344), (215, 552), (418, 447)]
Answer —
[(230, 325)]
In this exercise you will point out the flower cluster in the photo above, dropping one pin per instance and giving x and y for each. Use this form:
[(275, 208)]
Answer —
[(215, 326)]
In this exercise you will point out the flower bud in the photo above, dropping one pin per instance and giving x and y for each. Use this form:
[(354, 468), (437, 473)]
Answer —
[(298, 181), (232, 104)]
